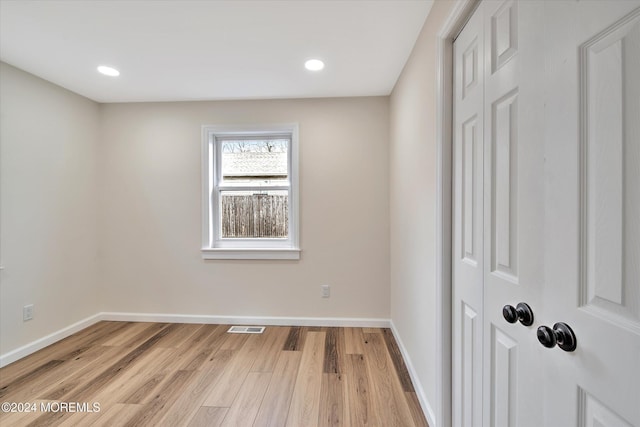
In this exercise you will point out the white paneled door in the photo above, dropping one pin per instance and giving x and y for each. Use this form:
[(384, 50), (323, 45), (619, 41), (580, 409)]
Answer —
[(592, 221), (546, 213), (467, 245)]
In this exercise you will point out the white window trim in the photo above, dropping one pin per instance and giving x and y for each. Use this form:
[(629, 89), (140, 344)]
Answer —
[(214, 248)]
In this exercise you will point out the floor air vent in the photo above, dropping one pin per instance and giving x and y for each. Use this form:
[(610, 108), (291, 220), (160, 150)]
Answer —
[(246, 330)]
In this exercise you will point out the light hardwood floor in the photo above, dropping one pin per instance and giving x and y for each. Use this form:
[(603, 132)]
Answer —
[(158, 374)]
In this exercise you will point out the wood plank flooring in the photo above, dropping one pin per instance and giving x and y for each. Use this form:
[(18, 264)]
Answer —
[(159, 374)]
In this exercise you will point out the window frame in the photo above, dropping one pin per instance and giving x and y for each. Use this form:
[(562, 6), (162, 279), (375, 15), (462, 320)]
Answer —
[(213, 245)]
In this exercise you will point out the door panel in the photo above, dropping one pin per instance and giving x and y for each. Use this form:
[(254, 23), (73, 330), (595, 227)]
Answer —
[(471, 153), (592, 413), (504, 380), (470, 371), (504, 34), (611, 271), (504, 186)]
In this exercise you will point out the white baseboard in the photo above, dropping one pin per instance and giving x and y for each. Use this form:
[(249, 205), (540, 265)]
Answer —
[(36, 345), (247, 320), (41, 343), (417, 385)]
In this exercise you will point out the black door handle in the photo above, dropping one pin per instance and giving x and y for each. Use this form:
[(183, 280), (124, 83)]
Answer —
[(561, 334), (521, 312)]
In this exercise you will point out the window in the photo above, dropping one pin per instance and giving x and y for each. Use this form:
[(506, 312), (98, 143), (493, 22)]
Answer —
[(250, 192)]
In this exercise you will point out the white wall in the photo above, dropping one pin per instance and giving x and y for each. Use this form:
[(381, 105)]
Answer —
[(150, 212), (48, 141), (413, 203)]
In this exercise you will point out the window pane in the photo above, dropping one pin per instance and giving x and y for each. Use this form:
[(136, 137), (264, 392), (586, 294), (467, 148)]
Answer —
[(255, 162), (249, 214)]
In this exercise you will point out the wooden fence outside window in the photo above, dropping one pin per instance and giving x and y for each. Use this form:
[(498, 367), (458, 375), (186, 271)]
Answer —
[(255, 216)]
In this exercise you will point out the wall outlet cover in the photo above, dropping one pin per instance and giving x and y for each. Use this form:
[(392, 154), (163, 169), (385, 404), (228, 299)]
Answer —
[(326, 291), (27, 312)]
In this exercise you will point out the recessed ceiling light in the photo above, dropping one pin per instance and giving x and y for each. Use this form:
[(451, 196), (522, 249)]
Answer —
[(108, 71), (314, 65)]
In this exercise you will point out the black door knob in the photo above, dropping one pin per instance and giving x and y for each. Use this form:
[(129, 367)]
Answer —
[(521, 312), (561, 334)]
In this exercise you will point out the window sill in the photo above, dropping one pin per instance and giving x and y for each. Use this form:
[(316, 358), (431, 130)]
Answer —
[(241, 253)]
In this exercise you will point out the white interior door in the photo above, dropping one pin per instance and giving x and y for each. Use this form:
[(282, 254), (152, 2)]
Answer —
[(468, 248), (498, 215), (546, 211), (514, 211), (592, 226)]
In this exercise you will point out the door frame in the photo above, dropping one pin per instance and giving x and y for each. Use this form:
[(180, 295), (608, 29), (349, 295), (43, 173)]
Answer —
[(452, 26)]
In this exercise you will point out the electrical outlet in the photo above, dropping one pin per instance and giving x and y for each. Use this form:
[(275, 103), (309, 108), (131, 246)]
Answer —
[(326, 291), (27, 312)]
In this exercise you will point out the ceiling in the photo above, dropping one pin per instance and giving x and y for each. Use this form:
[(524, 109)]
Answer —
[(169, 50)]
